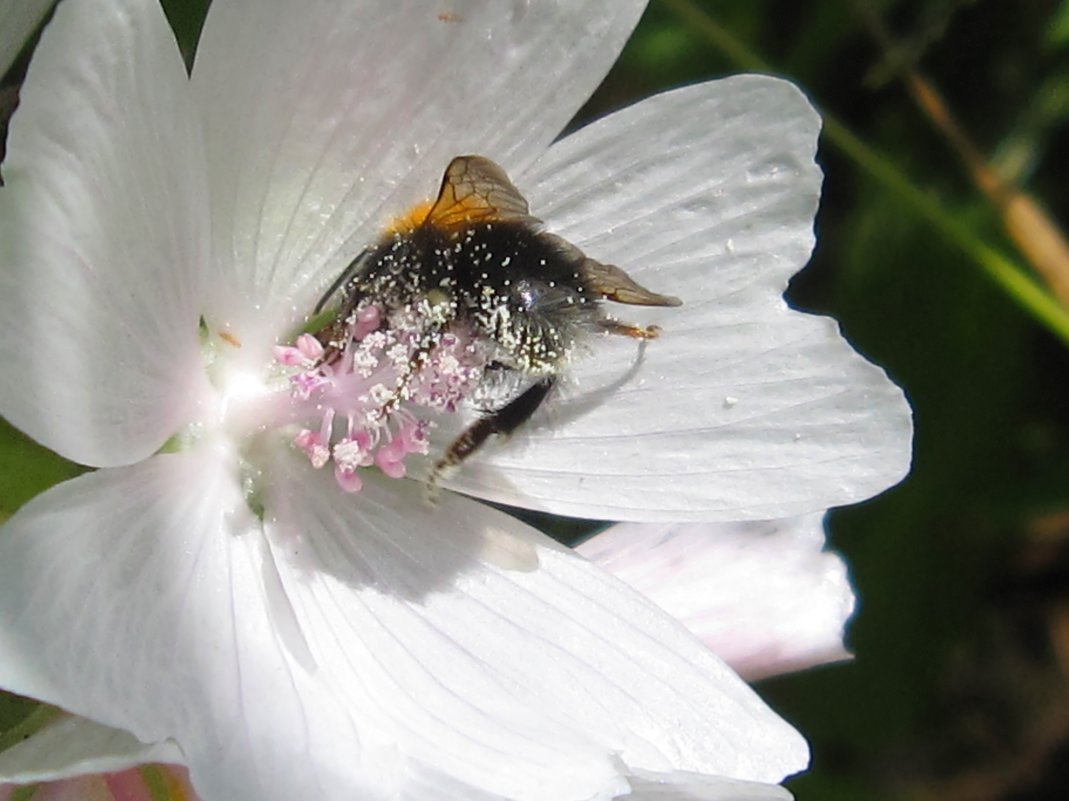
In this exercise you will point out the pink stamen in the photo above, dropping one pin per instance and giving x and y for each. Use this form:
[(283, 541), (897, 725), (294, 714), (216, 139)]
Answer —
[(369, 381), (306, 353), (348, 480), (391, 467), (368, 319)]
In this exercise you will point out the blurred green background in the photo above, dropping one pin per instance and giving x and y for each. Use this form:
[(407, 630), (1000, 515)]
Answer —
[(959, 690)]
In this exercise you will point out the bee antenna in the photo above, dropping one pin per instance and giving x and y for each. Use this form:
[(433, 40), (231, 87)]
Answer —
[(355, 266)]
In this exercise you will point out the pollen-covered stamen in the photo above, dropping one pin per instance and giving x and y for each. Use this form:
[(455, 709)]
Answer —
[(316, 444), (451, 372), (366, 383)]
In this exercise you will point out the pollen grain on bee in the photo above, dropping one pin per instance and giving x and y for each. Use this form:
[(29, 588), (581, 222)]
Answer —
[(452, 295)]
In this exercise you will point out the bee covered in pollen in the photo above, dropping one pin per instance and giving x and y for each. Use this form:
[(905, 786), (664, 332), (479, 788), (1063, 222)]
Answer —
[(446, 302)]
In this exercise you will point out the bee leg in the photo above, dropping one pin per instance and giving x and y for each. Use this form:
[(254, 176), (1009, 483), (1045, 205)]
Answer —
[(332, 337), (501, 421), (612, 326), (417, 360)]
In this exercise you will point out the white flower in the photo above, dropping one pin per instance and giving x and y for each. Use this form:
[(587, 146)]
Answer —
[(160, 236), (762, 595)]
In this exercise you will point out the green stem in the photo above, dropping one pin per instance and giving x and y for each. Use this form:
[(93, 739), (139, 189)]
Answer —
[(1017, 282)]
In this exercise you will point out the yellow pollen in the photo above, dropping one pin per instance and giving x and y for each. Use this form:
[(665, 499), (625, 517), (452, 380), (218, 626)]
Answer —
[(230, 339)]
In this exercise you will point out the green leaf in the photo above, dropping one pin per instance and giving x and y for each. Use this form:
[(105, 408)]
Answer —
[(27, 469), (1057, 34), (21, 718)]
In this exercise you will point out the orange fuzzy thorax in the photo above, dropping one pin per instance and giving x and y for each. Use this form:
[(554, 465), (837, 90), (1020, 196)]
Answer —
[(410, 220)]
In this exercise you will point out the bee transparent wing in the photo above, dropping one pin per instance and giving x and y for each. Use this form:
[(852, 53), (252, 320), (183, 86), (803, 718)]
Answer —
[(610, 281), (475, 189)]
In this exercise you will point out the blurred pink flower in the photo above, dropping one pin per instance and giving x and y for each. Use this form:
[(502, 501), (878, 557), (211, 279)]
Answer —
[(763, 595), (147, 783)]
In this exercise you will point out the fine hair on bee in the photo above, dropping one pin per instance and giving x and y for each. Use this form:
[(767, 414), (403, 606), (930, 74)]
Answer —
[(479, 261)]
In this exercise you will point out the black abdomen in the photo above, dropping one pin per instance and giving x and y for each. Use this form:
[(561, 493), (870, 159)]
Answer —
[(522, 292)]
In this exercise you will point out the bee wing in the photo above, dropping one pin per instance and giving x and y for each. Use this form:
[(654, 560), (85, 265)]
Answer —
[(475, 189), (613, 283), (610, 281)]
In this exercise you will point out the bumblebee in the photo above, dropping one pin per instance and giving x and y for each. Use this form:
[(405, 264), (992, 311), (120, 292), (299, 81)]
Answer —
[(478, 260)]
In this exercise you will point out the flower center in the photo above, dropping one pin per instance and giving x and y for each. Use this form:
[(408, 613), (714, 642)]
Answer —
[(364, 385)]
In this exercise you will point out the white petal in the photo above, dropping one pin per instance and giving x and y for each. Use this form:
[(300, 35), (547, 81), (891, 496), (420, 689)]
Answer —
[(133, 596), (366, 646), (74, 746), (488, 653), (18, 18), (326, 119), (680, 787), (102, 233), (763, 596), (743, 408)]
